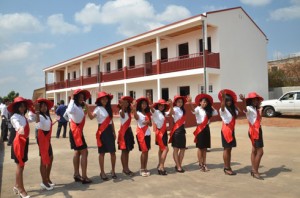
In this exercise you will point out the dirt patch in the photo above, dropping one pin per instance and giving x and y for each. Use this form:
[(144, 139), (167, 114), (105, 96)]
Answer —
[(280, 121)]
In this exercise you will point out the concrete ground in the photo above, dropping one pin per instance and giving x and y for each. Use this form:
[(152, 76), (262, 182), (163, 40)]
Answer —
[(280, 167)]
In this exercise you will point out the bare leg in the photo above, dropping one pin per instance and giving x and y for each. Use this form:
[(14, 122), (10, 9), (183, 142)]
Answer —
[(142, 161), (199, 156), (181, 156), (253, 154), (113, 161), (84, 162), (43, 171), (76, 161), (258, 157), (101, 163), (227, 157), (19, 180), (163, 157), (176, 157), (203, 155), (48, 170), (123, 160)]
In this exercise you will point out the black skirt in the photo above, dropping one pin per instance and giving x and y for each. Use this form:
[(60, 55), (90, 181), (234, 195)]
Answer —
[(260, 142), (164, 139), (50, 151), (203, 138), (108, 141), (25, 158), (73, 145), (231, 144), (178, 138), (129, 140), (147, 141)]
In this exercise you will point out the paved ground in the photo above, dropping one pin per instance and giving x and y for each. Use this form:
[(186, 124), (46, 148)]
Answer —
[(280, 168)]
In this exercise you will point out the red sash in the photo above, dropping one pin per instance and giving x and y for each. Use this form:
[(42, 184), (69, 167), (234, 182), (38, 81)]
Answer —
[(44, 145), (200, 128), (20, 143), (176, 126), (254, 129), (100, 130), (227, 130), (77, 131), (159, 135), (122, 131), (140, 133)]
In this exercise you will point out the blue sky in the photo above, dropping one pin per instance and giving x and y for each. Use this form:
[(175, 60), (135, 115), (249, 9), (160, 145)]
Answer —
[(35, 34)]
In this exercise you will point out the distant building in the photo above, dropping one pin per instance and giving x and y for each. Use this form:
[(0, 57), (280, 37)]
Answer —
[(281, 63)]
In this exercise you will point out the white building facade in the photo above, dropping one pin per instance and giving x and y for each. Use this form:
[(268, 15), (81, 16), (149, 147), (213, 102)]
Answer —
[(172, 60)]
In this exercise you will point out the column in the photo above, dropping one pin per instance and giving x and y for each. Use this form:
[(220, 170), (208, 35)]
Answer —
[(125, 62), (46, 83), (81, 73), (54, 79), (67, 98), (158, 89), (207, 83), (204, 40), (55, 98), (66, 76), (158, 55), (125, 89), (100, 71)]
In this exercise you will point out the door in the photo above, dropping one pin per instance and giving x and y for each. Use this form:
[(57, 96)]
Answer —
[(149, 94), (287, 103), (148, 63), (297, 103), (165, 94)]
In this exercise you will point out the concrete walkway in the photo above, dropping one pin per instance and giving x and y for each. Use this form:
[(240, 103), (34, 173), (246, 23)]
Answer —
[(280, 168)]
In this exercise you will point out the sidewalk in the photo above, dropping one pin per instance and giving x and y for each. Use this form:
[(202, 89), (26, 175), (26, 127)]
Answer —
[(280, 168)]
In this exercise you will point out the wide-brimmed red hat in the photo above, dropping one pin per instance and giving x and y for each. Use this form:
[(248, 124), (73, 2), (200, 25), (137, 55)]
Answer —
[(179, 97), (17, 100), (141, 99), (103, 94), (128, 98), (49, 103), (228, 92), (86, 93), (199, 97), (252, 95), (162, 102)]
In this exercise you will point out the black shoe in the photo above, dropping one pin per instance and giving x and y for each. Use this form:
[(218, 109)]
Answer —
[(228, 171), (105, 178), (77, 178), (86, 181)]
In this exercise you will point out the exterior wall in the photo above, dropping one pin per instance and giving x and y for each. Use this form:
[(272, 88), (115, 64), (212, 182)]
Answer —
[(93, 64), (275, 93), (243, 53)]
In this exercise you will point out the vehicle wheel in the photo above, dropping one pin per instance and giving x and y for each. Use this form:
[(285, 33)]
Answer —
[(269, 112)]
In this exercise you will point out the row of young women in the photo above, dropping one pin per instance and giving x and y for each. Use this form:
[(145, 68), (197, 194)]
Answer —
[(142, 111)]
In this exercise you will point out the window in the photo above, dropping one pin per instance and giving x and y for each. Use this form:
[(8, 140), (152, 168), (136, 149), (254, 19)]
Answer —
[(288, 96), (132, 94), (201, 89), (108, 67), (90, 100), (89, 71), (148, 57), (208, 44), (69, 76), (120, 64), (131, 61), (120, 94), (210, 89), (164, 55), (74, 74), (149, 94), (298, 96), (165, 93), (183, 50), (184, 91)]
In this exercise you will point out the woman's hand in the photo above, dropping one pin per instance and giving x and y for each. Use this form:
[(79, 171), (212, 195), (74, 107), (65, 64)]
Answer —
[(242, 97)]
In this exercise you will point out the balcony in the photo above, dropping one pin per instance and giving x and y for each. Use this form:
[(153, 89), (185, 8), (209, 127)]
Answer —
[(112, 75), (74, 82), (91, 79), (145, 69)]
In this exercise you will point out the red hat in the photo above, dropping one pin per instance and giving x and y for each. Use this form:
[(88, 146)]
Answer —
[(199, 97), (17, 100), (252, 95), (228, 92), (162, 102), (179, 97), (86, 93), (128, 98), (141, 99), (103, 94), (49, 103)]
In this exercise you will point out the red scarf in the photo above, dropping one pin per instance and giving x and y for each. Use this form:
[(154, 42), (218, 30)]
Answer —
[(159, 135), (254, 129), (200, 128), (227, 130), (77, 131), (44, 145), (122, 131), (100, 130), (176, 126), (20, 143), (140, 133)]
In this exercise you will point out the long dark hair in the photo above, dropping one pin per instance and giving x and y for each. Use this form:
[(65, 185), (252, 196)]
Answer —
[(249, 103), (128, 110), (231, 108), (182, 107), (163, 111), (139, 107), (107, 106), (208, 109), (76, 100), (17, 106), (47, 112)]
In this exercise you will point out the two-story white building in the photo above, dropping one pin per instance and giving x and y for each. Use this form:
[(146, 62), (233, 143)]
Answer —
[(171, 60)]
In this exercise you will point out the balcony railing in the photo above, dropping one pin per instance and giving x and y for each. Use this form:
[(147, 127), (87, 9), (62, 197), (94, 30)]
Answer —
[(182, 63)]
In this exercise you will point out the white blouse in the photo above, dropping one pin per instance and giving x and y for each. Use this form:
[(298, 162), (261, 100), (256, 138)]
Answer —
[(226, 115), (140, 121), (19, 121), (123, 120), (200, 114), (75, 112), (158, 118), (101, 114), (178, 113), (251, 114)]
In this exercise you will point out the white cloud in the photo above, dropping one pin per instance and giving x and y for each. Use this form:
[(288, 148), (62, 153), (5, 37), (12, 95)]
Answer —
[(7, 80), (287, 13), (131, 16), (58, 25), (256, 2), (19, 22)]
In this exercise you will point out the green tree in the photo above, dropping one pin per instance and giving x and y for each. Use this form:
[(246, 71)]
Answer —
[(276, 78), (11, 95)]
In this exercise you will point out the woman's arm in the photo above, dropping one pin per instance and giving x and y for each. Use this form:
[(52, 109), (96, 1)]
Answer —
[(171, 111), (90, 114), (223, 101), (189, 100), (136, 116)]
